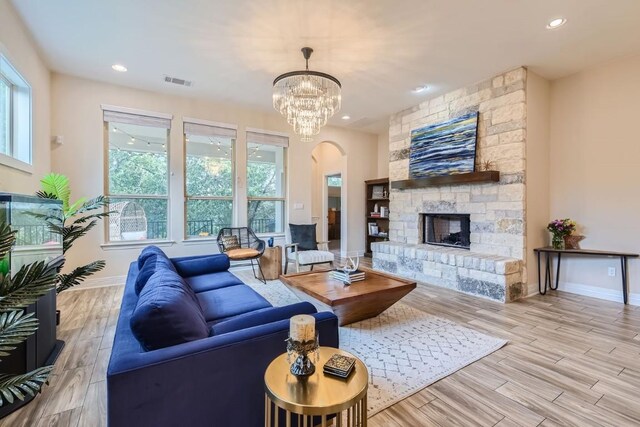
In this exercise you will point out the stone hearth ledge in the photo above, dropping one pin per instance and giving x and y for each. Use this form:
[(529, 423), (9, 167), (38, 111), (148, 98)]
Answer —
[(491, 276)]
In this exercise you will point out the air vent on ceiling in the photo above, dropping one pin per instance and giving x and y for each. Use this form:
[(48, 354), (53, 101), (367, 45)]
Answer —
[(177, 81)]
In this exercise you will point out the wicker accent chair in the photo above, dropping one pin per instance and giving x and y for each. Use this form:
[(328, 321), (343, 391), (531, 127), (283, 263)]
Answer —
[(304, 249), (242, 244)]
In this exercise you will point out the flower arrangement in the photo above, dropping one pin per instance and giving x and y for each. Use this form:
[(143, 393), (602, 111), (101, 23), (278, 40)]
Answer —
[(560, 228)]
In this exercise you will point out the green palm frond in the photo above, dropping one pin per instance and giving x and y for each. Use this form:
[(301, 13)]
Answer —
[(92, 204), (45, 195), (15, 327), (68, 280), (18, 386), (73, 232), (29, 283), (7, 239), (57, 185)]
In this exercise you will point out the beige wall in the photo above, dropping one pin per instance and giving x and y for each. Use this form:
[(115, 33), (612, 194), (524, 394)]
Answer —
[(78, 117), (595, 173), (537, 172), (383, 155), (18, 47)]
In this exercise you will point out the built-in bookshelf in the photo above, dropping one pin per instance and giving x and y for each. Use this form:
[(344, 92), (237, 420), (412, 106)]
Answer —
[(377, 212)]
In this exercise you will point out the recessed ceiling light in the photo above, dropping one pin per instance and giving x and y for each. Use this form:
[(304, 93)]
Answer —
[(119, 68), (555, 23), (420, 89), (346, 117)]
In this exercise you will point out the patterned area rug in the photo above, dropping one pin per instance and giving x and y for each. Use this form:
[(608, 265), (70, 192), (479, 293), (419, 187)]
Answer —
[(405, 349)]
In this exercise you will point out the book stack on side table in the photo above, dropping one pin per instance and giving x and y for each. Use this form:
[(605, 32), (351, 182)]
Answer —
[(348, 277)]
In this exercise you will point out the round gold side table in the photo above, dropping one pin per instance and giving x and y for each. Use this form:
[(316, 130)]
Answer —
[(318, 395)]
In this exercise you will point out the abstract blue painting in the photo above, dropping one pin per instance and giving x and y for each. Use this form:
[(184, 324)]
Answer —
[(445, 148)]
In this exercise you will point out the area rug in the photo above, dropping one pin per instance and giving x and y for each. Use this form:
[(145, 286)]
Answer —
[(404, 348)]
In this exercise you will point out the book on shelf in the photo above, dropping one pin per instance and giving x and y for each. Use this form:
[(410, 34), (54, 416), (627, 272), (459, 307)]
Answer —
[(339, 365)]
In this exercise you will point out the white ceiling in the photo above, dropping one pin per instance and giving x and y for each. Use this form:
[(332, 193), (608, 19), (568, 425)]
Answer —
[(378, 49)]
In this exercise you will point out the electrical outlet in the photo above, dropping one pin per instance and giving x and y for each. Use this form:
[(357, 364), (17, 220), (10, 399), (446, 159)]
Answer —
[(612, 271)]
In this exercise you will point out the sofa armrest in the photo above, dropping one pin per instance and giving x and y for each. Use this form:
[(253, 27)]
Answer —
[(260, 317), (217, 378), (195, 266)]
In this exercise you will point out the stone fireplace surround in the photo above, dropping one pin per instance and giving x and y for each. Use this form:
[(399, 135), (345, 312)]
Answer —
[(494, 267)]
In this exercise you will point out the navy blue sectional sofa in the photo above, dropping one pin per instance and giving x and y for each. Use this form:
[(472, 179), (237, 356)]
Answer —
[(192, 344)]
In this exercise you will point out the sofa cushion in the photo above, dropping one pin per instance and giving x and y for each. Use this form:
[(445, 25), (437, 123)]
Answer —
[(231, 301), (152, 264), (304, 235), (207, 282), (167, 313), (311, 257), (148, 252), (262, 317), (201, 265)]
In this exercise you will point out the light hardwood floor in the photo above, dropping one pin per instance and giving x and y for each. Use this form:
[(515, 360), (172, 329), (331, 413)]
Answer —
[(570, 360)]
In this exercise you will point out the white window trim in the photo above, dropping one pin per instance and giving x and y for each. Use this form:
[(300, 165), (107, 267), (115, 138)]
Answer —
[(11, 74), (209, 123), (187, 197), (120, 244), (135, 111), (14, 163)]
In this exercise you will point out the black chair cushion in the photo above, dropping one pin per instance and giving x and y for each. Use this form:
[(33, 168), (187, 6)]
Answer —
[(305, 236)]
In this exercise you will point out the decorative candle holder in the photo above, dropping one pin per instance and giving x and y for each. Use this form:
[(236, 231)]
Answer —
[(302, 366)]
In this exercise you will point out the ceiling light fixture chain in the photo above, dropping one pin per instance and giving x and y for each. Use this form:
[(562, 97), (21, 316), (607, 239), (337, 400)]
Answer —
[(307, 99)]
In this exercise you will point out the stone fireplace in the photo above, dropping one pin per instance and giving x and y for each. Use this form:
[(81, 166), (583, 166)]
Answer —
[(446, 230), (471, 236)]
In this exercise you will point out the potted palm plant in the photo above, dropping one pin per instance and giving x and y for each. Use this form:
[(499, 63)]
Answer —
[(77, 220), (17, 292)]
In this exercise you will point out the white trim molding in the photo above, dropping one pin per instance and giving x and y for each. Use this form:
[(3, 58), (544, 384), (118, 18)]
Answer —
[(267, 132), (598, 292), (209, 123), (127, 110)]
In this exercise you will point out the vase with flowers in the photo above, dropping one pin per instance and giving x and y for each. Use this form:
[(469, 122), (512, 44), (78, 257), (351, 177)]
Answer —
[(560, 228)]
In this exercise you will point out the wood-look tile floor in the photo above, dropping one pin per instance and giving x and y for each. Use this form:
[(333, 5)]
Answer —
[(570, 360)]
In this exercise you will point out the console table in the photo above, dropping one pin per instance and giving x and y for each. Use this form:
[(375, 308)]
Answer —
[(549, 251)]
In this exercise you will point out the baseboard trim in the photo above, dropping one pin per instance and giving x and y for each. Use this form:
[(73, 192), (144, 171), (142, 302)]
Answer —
[(596, 292)]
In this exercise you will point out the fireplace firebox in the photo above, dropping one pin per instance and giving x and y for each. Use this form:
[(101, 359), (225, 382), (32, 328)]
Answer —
[(447, 230)]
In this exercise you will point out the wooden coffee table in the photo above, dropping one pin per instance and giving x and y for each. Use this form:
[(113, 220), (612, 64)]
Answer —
[(361, 300)]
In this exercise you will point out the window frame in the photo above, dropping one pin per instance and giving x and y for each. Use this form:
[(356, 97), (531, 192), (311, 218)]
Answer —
[(188, 198), (285, 183), (107, 241), (16, 82)]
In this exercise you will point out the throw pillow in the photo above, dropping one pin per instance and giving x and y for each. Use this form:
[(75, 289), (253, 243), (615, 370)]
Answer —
[(148, 252), (197, 266), (151, 264), (167, 313), (305, 236), (230, 243)]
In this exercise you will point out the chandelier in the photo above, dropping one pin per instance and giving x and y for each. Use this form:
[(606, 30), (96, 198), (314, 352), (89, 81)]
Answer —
[(306, 98)]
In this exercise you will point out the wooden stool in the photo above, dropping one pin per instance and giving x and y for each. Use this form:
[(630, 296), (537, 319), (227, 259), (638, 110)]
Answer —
[(271, 263)]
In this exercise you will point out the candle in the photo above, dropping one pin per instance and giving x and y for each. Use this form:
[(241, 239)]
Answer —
[(302, 327)]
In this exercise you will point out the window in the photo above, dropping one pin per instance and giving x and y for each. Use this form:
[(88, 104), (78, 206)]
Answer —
[(209, 178), (266, 181), (334, 181), (137, 176), (15, 117)]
